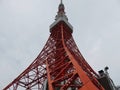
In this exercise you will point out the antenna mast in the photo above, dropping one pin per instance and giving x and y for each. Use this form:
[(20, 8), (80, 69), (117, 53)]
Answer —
[(61, 1)]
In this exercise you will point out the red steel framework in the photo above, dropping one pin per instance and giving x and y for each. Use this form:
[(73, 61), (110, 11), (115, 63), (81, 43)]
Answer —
[(60, 65)]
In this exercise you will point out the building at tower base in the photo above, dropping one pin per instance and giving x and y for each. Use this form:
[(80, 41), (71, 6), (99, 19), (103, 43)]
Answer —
[(105, 80)]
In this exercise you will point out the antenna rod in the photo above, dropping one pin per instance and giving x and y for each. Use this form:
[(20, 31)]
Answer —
[(61, 1)]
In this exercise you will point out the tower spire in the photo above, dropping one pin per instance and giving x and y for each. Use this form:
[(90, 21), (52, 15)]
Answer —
[(61, 16), (61, 1), (61, 12)]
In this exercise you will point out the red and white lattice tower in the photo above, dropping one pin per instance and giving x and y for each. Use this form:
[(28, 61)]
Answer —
[(60, 65)]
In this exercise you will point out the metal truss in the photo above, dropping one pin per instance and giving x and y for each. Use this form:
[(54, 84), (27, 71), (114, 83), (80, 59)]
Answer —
[(59, 66)]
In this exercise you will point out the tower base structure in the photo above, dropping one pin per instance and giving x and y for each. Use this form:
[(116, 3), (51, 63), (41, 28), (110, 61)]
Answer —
[(104, 80)]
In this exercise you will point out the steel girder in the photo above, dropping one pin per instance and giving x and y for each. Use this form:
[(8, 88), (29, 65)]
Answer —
[(60, 64)]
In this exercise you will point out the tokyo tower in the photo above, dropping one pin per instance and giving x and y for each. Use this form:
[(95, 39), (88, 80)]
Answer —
[(60, 65)]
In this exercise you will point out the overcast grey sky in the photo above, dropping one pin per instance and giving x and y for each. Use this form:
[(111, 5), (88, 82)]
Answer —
[(24, 29)]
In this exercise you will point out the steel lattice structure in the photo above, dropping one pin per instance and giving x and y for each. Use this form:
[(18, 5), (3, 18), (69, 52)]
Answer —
[(60, 65)]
